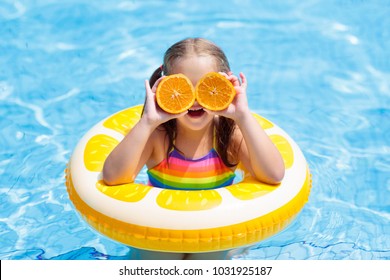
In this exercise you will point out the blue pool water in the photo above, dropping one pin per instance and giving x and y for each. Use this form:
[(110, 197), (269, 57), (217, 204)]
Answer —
[(319, 69)]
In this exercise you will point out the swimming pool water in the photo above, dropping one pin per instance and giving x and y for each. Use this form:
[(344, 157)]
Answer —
[(318, 69)]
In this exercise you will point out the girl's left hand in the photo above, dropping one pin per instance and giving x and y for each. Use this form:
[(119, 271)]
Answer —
[(239, 106)]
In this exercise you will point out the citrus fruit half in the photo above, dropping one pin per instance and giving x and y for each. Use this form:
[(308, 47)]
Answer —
[(214, 92), (175, 94)]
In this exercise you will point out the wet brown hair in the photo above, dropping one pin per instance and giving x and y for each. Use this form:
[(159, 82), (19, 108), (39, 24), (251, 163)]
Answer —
[(198, 46)]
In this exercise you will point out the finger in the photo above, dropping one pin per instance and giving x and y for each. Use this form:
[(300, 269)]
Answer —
[(150, 98), (224, 74), (149, 92), (229, 75), (234, 80), (154, 88), (243, 79)]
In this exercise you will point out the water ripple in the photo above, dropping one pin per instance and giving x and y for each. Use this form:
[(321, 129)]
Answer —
[(12, 11)]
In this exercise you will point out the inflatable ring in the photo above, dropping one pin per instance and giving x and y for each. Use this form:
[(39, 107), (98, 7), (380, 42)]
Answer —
[(167, 220)]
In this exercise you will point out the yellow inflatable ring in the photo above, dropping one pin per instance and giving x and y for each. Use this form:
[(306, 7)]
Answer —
[(181, 220)]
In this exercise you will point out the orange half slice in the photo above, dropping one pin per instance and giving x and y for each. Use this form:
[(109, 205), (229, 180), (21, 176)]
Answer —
[(214, 92), (175, 94)]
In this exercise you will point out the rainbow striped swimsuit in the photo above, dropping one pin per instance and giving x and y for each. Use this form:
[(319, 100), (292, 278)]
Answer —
[(178, 172)]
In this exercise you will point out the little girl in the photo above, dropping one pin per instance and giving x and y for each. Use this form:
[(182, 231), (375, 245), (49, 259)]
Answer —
[(216, 141)]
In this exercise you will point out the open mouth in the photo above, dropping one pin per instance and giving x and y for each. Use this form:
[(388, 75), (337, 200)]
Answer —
[(196, 112)]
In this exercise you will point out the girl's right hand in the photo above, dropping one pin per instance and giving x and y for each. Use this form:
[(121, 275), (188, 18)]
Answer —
[(153, 114)]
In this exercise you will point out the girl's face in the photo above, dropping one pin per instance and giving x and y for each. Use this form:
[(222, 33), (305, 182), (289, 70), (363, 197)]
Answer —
[(194, 67)]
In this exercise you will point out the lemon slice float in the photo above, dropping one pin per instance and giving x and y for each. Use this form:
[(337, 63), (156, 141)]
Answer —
[(150, 218)]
